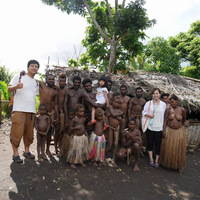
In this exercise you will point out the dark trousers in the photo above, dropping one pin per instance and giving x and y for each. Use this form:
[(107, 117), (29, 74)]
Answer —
[(154, 137)]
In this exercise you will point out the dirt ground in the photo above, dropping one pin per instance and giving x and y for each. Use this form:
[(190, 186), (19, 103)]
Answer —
[(54, 179)]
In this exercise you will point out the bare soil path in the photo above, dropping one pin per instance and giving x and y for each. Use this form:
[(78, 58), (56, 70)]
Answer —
[(55, 180)]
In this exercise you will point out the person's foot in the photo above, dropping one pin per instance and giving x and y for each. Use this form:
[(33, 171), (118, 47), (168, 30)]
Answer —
[(28, 155), (73, 166), (95, 164), (93, 121), (17, 159), (136, 168), (43, 156), (39, 158), (48, 153), (156, 165), (83, 165), (180, 170), (151, 163), (103, 163)]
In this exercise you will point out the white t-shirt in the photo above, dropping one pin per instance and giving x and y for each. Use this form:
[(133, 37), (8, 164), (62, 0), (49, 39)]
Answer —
[(156, 123), (24, 98), (100, 97)]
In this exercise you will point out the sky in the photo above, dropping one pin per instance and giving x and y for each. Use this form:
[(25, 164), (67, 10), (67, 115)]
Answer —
[(31, 30)]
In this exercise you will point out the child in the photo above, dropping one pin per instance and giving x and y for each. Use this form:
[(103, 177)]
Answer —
[(42, 125), (101, 98), (114, 117), (67, 136), (78, 148), (97, 140), (131, 143)]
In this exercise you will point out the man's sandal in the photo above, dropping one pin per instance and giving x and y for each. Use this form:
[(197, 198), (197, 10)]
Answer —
[(28, 155), (17, 159)]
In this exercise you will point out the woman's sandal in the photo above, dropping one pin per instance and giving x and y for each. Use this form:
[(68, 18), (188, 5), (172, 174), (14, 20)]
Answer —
[(156, 165), (151, 163)]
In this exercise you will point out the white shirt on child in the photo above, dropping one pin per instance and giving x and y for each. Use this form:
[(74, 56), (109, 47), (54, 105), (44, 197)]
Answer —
[(24, 98), (100, 97)]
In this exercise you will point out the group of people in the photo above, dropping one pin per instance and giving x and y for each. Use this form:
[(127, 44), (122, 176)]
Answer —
[(87, 125)]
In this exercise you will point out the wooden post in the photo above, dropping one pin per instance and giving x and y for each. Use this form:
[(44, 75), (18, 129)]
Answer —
[(0, 107)]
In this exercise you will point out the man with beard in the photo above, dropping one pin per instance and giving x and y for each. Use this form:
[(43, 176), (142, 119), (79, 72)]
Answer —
[(61, 97), (73, 96), (110, 93), (123, 106), (136, 105), (48, 96)]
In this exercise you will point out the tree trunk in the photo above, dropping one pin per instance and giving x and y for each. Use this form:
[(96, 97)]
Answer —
[(112, 59)]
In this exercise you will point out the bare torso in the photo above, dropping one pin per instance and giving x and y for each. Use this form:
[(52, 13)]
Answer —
[(136, 106), (79, 122), (91, 96), (42, 123), (99, 125), (124, 104), (61, 97), (73, 97)]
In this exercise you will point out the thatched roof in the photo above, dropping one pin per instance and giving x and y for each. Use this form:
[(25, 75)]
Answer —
[(188, 91)]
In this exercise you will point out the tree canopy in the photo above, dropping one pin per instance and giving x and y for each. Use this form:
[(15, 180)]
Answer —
[(188, 46), (162, 57), (113, 33)]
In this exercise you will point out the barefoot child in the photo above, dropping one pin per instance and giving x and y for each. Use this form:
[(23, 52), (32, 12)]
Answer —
[(131, 143), (78, 148), (114, 117), (42, 125), (101, 98), (97, 140), (67, 136)]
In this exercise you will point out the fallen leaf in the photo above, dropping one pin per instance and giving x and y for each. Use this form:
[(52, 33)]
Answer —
[(58, 189)]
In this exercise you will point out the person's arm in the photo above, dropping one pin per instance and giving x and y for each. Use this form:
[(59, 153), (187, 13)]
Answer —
[(138, 138), (14, 88), (35, 124), (65, 104), (106, 97), (72, 127), (130, 108), (87, 99), (126, 143), (114, 114), (146, 110), (167, 111), (184, 115), (56, 106), (49, 125)]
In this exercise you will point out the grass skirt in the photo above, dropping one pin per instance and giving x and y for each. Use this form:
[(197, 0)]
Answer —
[(97, 147), (173, 148), (78, 149), (65, 145)]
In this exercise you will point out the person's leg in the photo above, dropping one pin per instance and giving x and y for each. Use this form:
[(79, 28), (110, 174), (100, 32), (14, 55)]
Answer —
[(48, 140), (110, 140), (136, 152), (38, 145), (93, 116), (56, 138), (158, 140), (150, 140), (43, 140)]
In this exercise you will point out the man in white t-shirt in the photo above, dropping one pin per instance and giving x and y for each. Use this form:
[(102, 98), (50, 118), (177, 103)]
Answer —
[(25, 89)]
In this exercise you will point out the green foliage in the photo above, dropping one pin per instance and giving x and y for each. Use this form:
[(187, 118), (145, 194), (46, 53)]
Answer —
[(37, 102), (120, 30), (73, 63), (190, 71), (162, 57), (138, 62), (5, 74), (5, 95), (188, 45)]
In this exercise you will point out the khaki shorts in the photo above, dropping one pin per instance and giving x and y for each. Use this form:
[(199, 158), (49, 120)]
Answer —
[(22, 126)]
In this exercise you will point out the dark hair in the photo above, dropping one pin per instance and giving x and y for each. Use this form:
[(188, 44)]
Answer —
[(78, 106), (42, 104), (71, 110), (173, 96), (78, 78), (115, 97), (123, 86), (86, 80), (33, 62), (164, 95), (138, 88), (98, 112), (109, 80), (154, 89), (50, 75), (104, 78), (131, 119)]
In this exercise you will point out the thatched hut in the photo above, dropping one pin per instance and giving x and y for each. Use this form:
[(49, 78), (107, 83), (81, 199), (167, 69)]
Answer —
[(187, 89)]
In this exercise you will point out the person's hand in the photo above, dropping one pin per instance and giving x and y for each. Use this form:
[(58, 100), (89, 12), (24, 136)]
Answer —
[(151, 116), (19, 85), (78, 127), (164, 134), (22, 73)]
